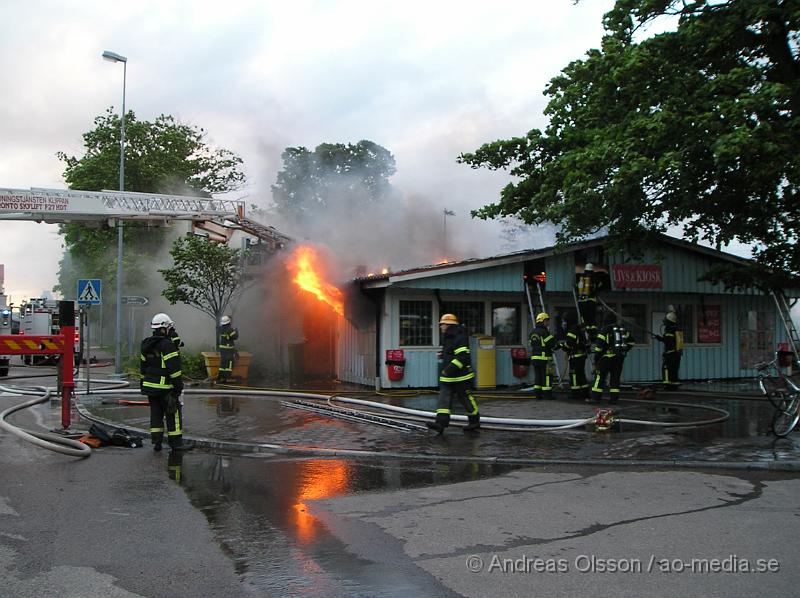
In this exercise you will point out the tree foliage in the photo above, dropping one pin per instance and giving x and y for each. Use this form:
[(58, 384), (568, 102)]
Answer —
[(696, 127), (333, 176), (205, 275), (162, 156)]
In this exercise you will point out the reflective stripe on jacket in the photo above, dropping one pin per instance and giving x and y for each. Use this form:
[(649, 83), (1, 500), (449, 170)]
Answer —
[(160, 365), (227, 334), (542, 344), (456, 361)]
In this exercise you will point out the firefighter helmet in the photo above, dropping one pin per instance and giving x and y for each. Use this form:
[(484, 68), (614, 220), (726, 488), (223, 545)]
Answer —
[(542, 317), (448, 319), (160, 321), (225, 320), (671, 316), (589, 267)]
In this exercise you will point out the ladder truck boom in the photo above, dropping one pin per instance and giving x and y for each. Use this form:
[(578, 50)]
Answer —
[(208, 214), (58, 205)]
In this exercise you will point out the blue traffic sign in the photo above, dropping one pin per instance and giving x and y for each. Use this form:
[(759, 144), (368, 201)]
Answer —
[(90, 291)]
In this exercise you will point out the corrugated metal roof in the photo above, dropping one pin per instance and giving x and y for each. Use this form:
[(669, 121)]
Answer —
[(390, 278)]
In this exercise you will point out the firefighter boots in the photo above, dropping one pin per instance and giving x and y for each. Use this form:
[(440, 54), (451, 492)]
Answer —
[(473, 424), (182, 445), (436, 427)]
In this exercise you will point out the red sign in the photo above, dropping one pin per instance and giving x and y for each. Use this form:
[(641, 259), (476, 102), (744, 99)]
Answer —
[(709, 329), (395, 355), (637, 276), (519, 353)]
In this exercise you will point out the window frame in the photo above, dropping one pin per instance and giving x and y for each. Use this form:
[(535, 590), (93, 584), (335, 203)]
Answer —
[(506, 303), (459, 313), (400, 316)]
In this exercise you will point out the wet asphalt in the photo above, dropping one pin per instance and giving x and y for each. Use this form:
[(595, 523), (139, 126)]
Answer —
[(295, 503), (668, 429)]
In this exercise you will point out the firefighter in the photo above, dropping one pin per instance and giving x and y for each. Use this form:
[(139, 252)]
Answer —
[(456, 377), (227, 348), (610, 347), (587, 285), (542, 345), (162, 383), (673, 350), (175, 337), (575, 345)]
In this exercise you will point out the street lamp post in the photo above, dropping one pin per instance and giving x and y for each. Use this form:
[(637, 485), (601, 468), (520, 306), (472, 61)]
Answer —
[(114, 57), (445, 214)]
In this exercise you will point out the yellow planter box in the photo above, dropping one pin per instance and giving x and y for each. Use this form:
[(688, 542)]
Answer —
[(241, 366)]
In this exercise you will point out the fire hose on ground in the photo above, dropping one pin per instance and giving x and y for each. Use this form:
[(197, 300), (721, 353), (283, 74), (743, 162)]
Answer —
[(326, 407), (545, 424), (54, 442)]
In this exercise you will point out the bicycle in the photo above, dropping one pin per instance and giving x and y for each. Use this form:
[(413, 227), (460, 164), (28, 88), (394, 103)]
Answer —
[(783, 393)]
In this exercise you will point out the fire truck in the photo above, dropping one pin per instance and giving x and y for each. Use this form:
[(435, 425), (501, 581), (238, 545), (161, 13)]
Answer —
[(39, 317), (6, 327)]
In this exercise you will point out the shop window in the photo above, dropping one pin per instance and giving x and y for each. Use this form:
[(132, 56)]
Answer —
[(634, 316), (756, 337), (686, 322), (506, 323), (416, 323), (469, 313)]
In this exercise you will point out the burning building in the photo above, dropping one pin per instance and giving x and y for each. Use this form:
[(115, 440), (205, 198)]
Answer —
[(381, 329)]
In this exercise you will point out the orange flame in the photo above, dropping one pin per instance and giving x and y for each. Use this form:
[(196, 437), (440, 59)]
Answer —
[(321, 479), (306, 269)]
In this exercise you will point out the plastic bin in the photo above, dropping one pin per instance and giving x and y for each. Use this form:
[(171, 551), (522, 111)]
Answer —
[(241, 367), (483, 350)]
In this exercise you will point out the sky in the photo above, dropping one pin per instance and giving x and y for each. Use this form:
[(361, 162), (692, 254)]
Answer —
[(426, 80)]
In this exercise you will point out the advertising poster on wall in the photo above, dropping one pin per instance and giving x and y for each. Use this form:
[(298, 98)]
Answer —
[(709, 326)]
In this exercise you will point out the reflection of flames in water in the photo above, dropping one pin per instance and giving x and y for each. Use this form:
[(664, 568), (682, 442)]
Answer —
[(307, 273), (321, 480)]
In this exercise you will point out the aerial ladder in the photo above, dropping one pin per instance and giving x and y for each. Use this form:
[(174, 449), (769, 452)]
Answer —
[(61, 205), (217, 218)]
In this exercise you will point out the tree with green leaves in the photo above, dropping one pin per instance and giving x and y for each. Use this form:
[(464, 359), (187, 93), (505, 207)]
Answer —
[(162, 156), (696, 128), (334, 175), (205, 275)]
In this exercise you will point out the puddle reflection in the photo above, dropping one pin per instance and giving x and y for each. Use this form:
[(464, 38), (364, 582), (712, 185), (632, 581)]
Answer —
[(259, 510)]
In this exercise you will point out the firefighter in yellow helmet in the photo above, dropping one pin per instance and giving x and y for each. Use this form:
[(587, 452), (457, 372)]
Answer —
[(456, 377), (576, 345), (610, 348), (542, 345)]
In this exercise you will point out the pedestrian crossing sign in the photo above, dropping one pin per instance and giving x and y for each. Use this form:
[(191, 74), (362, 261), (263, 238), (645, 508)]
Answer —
[(90, 291)]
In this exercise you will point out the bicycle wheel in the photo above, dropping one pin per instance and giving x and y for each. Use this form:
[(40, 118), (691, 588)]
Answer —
[(778, 399), (774, 392), (784, 420)]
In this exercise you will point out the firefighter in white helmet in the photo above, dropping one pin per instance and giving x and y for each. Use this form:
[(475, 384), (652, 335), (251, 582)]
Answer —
[(456, 377), (162, 384), (227, 348), (672, 338), (587, 285)]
